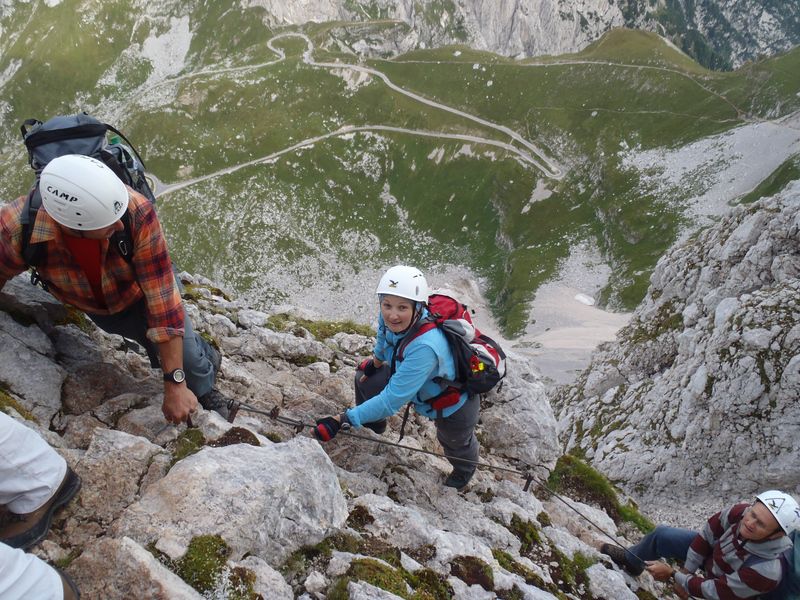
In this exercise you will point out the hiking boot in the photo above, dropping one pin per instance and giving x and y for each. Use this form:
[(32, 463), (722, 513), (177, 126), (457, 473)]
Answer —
[(458, 479), (71, 591), (24, 531), (620, 558), (216, 400)]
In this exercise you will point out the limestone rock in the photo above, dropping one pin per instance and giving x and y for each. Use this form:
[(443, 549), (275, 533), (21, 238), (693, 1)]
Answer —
[(111, 470), (269, 582), (268, 501), (518, 421), (91, 384), (707, 373), (79, 430), (31, 302), (265, 501), (608, 584), (264, 343), (27, 371), (359, 590), (136, 573)]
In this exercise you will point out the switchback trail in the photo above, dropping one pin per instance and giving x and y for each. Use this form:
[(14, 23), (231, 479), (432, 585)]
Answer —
[(528, 153)]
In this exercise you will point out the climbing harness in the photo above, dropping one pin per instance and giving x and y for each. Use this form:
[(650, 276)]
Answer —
[(234, 406)]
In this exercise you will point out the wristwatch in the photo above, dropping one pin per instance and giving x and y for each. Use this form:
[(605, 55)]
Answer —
[(175, 376), (344, 422)]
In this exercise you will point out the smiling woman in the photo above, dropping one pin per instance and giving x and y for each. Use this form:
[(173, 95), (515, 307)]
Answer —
[(421, 372)]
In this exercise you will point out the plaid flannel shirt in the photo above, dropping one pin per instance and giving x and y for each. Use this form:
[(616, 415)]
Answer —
[(150, 275)]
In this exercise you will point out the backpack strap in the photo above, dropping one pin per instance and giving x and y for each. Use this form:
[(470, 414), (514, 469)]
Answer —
[(33, 254), (122, 241), (494, 345), (451, 390), (127, 141), (420, 327)]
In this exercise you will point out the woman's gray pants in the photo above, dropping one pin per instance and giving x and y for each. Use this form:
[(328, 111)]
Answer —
[(455, 433)]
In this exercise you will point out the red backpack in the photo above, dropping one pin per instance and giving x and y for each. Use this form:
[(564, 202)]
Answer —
[(480, 361)]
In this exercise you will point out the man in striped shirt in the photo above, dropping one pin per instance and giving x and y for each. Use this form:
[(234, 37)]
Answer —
[(83, 203), (738, 552)]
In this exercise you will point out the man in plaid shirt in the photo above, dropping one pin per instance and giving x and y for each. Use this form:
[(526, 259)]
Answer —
[(83, 202)]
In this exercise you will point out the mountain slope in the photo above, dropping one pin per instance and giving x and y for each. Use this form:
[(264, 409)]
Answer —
[(696, 401), (259, 509), (521, 161)]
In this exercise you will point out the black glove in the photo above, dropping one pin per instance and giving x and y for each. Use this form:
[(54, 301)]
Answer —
[(368, 367), (326, 429)]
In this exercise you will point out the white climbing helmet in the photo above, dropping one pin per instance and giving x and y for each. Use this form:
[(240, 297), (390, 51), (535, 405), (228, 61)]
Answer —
[(405, 282), (82, 193), (783, 507)]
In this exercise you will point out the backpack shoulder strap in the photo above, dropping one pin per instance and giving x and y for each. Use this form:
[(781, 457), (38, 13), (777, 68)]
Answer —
[(422, 326), (32, 254), (493, 344), (123, 240)]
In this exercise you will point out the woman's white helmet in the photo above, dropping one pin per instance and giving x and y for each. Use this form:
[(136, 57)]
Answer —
[(405, 282), (82, 193), (783, 507)]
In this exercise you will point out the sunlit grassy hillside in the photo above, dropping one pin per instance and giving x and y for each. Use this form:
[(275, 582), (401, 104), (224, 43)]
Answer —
[(202, 91)]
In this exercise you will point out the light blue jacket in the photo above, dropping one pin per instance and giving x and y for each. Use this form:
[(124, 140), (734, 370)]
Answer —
[(426, 356)]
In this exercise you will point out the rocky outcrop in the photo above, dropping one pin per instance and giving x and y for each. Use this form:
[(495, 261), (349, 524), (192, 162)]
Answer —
[(725, 33), (698, 398), (509, 27), (722, 34), (259, 509)]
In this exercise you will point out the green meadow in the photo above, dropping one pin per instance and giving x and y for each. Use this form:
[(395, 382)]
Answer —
[(379, 197)]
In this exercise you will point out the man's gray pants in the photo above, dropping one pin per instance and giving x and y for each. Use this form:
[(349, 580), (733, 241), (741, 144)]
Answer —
[(198, 356), (455, 433)]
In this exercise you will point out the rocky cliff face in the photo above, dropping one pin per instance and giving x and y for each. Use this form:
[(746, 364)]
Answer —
[(258, 509), (698, 399), (720, 34)]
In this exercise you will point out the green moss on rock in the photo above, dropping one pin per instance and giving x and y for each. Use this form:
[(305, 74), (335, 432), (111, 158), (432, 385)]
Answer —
[(78, 318), (428, 585), (505, 560), (304, 360), (188, 442), (472, 570), (580, 481), (7, 402), (321, 330), (274, 437), (359, 517), (527, 532), (203, 563), (235, 435), (373, 572)]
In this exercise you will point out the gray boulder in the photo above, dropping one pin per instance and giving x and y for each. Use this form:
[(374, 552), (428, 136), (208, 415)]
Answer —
[(263, 501)]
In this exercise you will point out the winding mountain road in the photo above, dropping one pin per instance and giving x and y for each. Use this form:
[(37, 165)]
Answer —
[(529, 153)]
